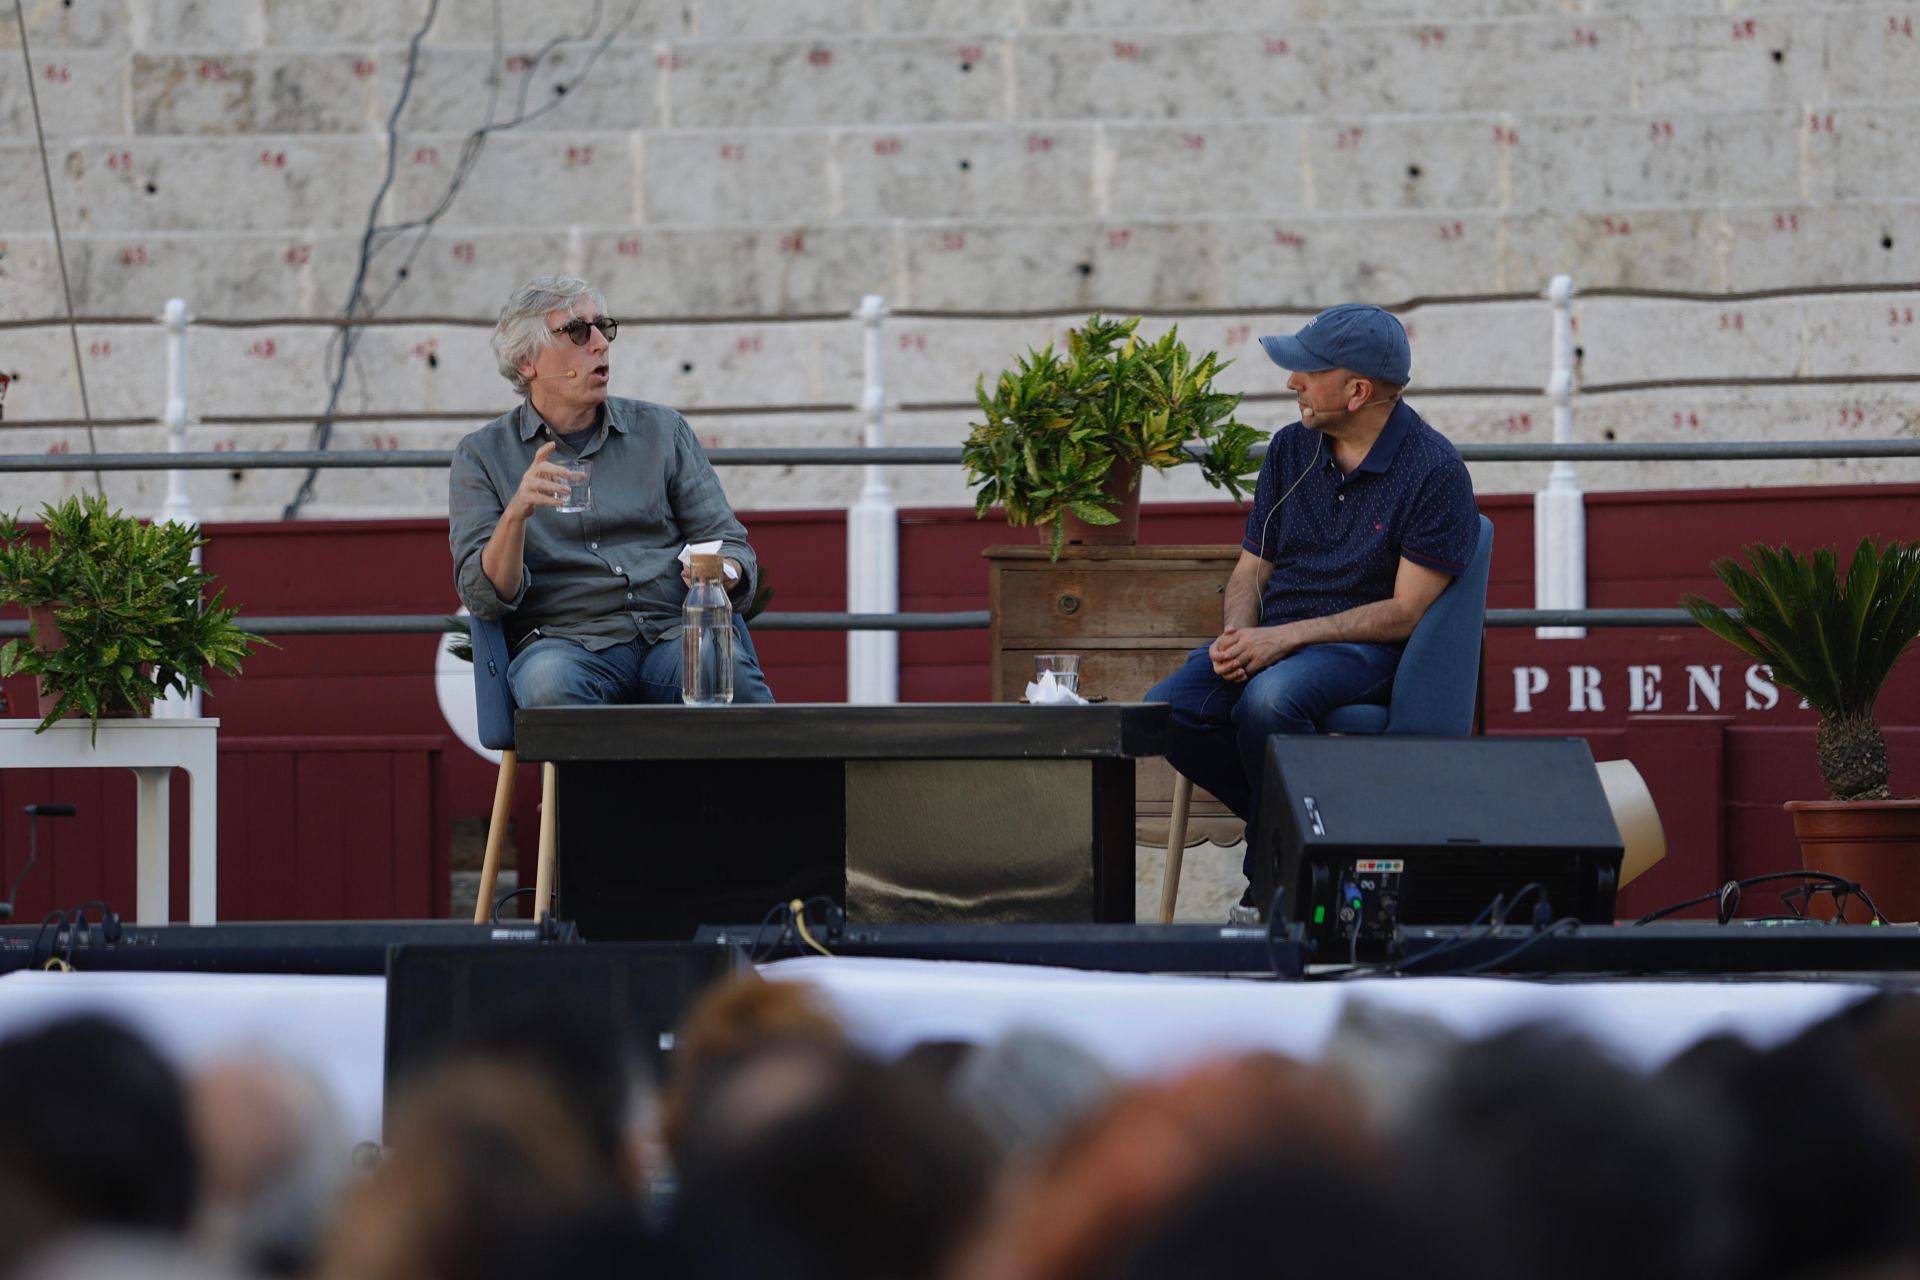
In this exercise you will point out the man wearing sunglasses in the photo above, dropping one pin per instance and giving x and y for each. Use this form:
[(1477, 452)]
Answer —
[(591, 599)]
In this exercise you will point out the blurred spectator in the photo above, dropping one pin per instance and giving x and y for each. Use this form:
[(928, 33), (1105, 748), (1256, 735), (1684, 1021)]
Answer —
[(480, 1156), (1286, 1215), (804, 1160), (274, 1155), (1553, 1160), (96, 1135), (727, 1022), (1824, 1144), (1090, 1203), (1028, 1087)]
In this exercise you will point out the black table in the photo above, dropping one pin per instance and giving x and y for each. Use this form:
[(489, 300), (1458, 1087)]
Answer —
[(671, 817)]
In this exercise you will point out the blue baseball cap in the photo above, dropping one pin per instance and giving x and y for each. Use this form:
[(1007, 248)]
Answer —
[(1353, 335)]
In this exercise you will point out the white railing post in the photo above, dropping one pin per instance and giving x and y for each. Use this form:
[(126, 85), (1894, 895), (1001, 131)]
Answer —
[(873, 539), (177, 509), (1559, 510)]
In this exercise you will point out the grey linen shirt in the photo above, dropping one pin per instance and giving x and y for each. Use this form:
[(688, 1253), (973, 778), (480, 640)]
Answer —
[(609, 574)]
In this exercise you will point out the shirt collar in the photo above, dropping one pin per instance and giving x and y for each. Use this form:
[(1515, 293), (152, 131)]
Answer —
[(1387, 443), (530, 421)]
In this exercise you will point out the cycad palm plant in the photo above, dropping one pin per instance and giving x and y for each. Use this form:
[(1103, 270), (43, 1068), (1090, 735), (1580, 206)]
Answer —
[(1832, 641)]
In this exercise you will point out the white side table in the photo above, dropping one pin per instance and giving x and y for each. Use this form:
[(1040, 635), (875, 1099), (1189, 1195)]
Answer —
[(153, 749)]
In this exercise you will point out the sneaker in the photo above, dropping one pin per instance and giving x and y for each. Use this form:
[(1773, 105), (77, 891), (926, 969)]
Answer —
[(1245, 913)]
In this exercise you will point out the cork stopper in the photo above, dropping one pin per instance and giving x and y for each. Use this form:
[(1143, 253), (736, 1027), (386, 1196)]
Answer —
[(713, 567)]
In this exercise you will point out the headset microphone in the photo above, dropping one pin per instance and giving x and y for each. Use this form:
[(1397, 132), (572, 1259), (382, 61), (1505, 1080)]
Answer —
[(535, 377), (36, 812)]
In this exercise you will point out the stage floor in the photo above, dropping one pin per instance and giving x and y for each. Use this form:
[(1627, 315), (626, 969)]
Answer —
[(1140, 1025)]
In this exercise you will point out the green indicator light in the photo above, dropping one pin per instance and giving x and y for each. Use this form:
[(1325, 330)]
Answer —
[(1319, 915)]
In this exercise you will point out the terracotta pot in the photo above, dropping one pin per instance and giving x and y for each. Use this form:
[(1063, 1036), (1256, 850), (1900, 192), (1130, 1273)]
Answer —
[(44, 630), (1121, 490), (1874, 842)]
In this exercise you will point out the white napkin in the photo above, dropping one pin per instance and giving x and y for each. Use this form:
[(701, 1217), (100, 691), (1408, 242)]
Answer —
[(1046, 691), (692, 549)]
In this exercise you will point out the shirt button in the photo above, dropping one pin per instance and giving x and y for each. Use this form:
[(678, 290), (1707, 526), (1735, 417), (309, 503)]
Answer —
[(618, 569), (629, 595), (1343, 497), (593, 546)]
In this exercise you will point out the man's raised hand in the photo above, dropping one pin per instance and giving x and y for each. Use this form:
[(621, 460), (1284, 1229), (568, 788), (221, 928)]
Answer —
[(546, 484)]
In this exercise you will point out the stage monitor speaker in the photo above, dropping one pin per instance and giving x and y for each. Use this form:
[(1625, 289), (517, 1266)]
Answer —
[(1364, 834), (442, 998)]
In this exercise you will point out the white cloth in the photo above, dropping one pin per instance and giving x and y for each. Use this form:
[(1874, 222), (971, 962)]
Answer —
[(692, 549), (1047, 691)]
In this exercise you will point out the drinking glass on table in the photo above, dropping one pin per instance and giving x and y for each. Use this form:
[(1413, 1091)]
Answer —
[(1064, 667), (579, 485)]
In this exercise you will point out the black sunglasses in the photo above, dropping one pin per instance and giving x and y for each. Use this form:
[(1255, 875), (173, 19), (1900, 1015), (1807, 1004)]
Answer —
[(577, 329)]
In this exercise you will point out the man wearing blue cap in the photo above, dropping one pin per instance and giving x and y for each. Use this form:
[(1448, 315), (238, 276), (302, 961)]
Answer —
[(1362, 514)]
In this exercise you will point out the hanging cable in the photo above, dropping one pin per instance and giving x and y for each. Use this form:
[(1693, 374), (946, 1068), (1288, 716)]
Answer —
[(59, 244)]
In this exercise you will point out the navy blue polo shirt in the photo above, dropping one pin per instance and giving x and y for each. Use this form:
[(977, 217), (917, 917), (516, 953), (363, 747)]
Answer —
[(1336, 541)]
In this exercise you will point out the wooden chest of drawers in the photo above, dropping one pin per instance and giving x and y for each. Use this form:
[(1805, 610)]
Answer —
[(1132, 614)]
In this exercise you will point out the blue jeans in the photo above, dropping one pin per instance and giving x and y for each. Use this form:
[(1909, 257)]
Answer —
[(553, 671), (1220, 728)]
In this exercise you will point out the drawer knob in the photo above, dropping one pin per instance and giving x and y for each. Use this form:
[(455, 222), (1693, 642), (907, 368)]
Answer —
[(1069, 603)]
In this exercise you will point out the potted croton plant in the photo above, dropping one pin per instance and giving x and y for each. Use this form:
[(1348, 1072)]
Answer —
[(1834, 640), (1068, 434), (116, 611)]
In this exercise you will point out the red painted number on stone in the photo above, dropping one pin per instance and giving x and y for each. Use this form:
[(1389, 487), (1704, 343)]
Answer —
[(1236, 335), (1686, 421), (264, 349), (365, 67), (1519, 424), (578, 157), (58, 75), (913, 342), (1899, 317), (747, 346), (1278, 48), (100, 350), (120, 161), (1451, 231), (1431, 37), (1733, 320), (971, 53), (733, 151), (1746, 29), (60, 446), (1119, 239), (213, 70), (134, 257), (795, 243), (1900, 27), (669, 62), (1586, 37), (820, 57), (953, 241), (1038, 143), (1289, 239), (1789, 222), (886, 146), (1193, 142), (427, 349), (629, 247), (1616, 227), (517, 63), (228, 445), (273, 159), (386, 444), (1817, 123), (463, 252), (1505, 137), (299, 255), (1348, 139), (1660, 130), (426, 155), (1851, 416), (1126, 49)]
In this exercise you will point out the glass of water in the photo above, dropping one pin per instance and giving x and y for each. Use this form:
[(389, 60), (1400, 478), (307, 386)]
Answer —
[(1064, 666), (580, 486)]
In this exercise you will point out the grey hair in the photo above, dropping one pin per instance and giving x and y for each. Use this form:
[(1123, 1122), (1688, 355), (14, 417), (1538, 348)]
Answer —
[(522, 328)]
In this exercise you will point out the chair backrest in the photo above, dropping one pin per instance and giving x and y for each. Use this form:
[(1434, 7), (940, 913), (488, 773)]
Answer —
[(492, 694), (1439, 676)]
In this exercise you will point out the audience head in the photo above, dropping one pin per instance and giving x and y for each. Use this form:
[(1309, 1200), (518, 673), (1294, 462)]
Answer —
[(1554, 1159), (274, 1159), (96, 1135)]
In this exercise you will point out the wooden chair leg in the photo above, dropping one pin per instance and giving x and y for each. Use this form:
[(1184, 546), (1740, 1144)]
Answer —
[(1176, 846), (496, 838), (543, 879)]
